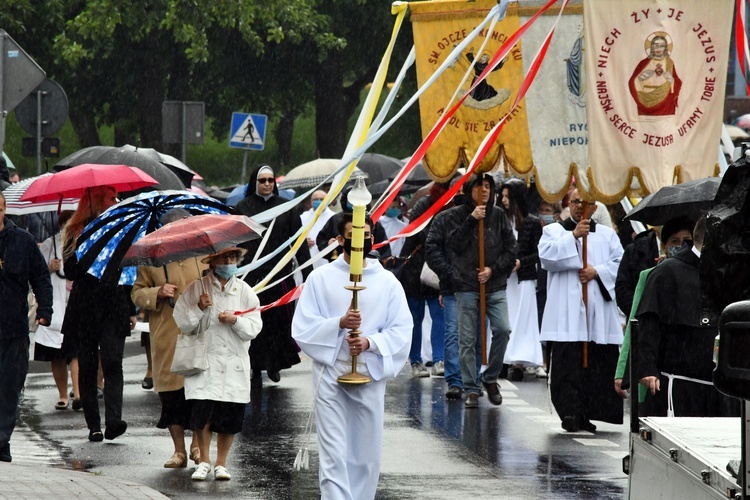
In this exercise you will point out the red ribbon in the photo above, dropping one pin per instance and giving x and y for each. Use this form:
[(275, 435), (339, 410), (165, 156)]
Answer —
[(740, 42), (288, 297)]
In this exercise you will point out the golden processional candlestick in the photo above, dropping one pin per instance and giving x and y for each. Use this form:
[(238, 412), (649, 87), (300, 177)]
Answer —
[(359, 197)]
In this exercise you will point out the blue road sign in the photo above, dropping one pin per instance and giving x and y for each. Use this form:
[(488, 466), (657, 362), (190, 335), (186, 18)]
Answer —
[(248, 131)]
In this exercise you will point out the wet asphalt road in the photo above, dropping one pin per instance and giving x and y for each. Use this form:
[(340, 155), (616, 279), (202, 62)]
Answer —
[(432, 448)]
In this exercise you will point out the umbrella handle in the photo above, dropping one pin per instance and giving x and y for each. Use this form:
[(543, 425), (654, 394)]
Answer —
[(170, 300)]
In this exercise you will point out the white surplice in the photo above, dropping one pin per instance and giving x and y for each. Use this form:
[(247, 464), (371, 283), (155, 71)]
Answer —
[(564, 314), (350, 417)]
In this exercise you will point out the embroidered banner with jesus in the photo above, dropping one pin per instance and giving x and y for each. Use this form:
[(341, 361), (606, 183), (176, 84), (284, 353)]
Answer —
[(655, 78)]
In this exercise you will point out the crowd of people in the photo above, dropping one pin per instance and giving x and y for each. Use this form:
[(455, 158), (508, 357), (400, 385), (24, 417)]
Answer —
[(508, 286)]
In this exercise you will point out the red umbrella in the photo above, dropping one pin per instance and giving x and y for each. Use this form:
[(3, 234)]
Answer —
[(74, 181), (192, 237)]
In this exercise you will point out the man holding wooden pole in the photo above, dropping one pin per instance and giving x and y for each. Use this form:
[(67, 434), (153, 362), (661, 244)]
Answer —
[(485, 253), (581, 318)]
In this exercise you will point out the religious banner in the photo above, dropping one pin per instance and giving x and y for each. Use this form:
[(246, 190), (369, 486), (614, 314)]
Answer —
[(556, 102), (655, 78), (438, 27)]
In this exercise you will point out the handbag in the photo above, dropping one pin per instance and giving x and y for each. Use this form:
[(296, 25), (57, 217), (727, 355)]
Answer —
[(429, 278), (396, 264), (190, 355)]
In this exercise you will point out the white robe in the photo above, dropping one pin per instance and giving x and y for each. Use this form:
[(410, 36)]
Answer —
[(350, 417), (306, 217), (564, 314), (392, 227), (51, 335)]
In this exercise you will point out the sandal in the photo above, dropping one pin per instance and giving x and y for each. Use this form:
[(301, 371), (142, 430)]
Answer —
[(61, 405), (177, 461), (148, 383), (195, 455)]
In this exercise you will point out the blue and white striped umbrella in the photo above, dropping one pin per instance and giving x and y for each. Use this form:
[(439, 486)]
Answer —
[(104, 242)]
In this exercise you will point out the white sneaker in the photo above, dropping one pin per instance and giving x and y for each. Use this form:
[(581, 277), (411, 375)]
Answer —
[(221, 473), (438, 369), (541, 372), (418, 370), (201, 472)]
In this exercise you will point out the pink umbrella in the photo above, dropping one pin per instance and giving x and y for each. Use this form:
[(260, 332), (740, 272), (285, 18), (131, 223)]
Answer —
[(74, 181)]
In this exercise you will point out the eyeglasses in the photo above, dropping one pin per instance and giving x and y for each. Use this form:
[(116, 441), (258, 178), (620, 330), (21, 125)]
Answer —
[(268, 180), (575, 203)]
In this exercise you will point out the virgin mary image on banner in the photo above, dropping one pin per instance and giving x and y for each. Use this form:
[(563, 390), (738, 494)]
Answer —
[(654, 85)]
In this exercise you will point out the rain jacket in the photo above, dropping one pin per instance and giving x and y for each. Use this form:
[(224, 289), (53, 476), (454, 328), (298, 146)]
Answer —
[(499, 245), (22, 263), (227, 378)]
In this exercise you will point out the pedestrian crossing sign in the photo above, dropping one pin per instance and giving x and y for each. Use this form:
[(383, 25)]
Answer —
[(248, 131)]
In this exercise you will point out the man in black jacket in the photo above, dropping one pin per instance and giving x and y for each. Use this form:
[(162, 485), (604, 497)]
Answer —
[(21, 264), (499, 259)]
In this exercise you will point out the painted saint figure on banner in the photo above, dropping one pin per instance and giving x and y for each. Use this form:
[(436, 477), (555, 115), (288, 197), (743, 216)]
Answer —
[(574, 65), (485, 96), (654, 85)]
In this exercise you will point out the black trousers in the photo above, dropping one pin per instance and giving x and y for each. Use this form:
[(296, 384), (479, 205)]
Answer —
[(102, 339), (14, 365)]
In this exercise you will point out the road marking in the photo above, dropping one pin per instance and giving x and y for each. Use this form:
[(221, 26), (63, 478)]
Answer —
[(597, 442), (525, 409)]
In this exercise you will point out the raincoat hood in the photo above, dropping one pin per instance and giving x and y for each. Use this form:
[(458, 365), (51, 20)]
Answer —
[(477, 179), (517, 191)]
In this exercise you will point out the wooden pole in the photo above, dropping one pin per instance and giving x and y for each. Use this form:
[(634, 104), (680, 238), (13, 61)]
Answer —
[(482, 299), (585, 289)]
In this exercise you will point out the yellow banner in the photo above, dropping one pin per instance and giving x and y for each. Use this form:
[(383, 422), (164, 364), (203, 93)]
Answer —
[(438, 27), (655, 77)]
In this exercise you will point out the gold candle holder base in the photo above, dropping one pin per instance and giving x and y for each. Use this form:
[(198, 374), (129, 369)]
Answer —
[(354, 378)]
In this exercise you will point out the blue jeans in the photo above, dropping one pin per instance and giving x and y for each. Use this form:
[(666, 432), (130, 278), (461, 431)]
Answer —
[(416, 306), (14, 365), (468, 319), (450, 357)]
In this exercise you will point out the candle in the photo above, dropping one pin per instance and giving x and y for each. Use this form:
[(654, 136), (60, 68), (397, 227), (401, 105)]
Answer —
[(359, 197)]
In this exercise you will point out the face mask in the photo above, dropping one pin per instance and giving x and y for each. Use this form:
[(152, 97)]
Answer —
[(392, 213), (547, 218), (674, 250), (316, 204), (226, 271), (348, 246)]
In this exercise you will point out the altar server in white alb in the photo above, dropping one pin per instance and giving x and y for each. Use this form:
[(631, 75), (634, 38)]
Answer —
[(350, 417), (581, 394)]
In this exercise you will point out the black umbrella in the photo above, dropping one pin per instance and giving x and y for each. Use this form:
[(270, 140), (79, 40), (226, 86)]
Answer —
[(110, 155), (379, 167), (181, 170), (418, 177), (689, 199), (379, 188)]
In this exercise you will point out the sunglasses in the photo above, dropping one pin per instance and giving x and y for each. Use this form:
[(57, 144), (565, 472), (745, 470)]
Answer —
[(265, 181)]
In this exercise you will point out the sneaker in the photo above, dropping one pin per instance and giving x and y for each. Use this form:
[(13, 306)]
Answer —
[(540, 372), (221, 473), (472, 400), (454, 392), (418, 370), (493, 392), (201, 472), (438, 369)]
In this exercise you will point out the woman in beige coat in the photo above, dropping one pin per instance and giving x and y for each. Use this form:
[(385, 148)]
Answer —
[(152, 292)]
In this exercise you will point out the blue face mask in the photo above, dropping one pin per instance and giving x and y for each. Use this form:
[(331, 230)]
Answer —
[(225, 271), (547, 218), (392, 213), (316, 204)]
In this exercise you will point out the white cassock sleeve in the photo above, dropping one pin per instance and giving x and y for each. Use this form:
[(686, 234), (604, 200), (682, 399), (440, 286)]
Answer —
[(558, 249)]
